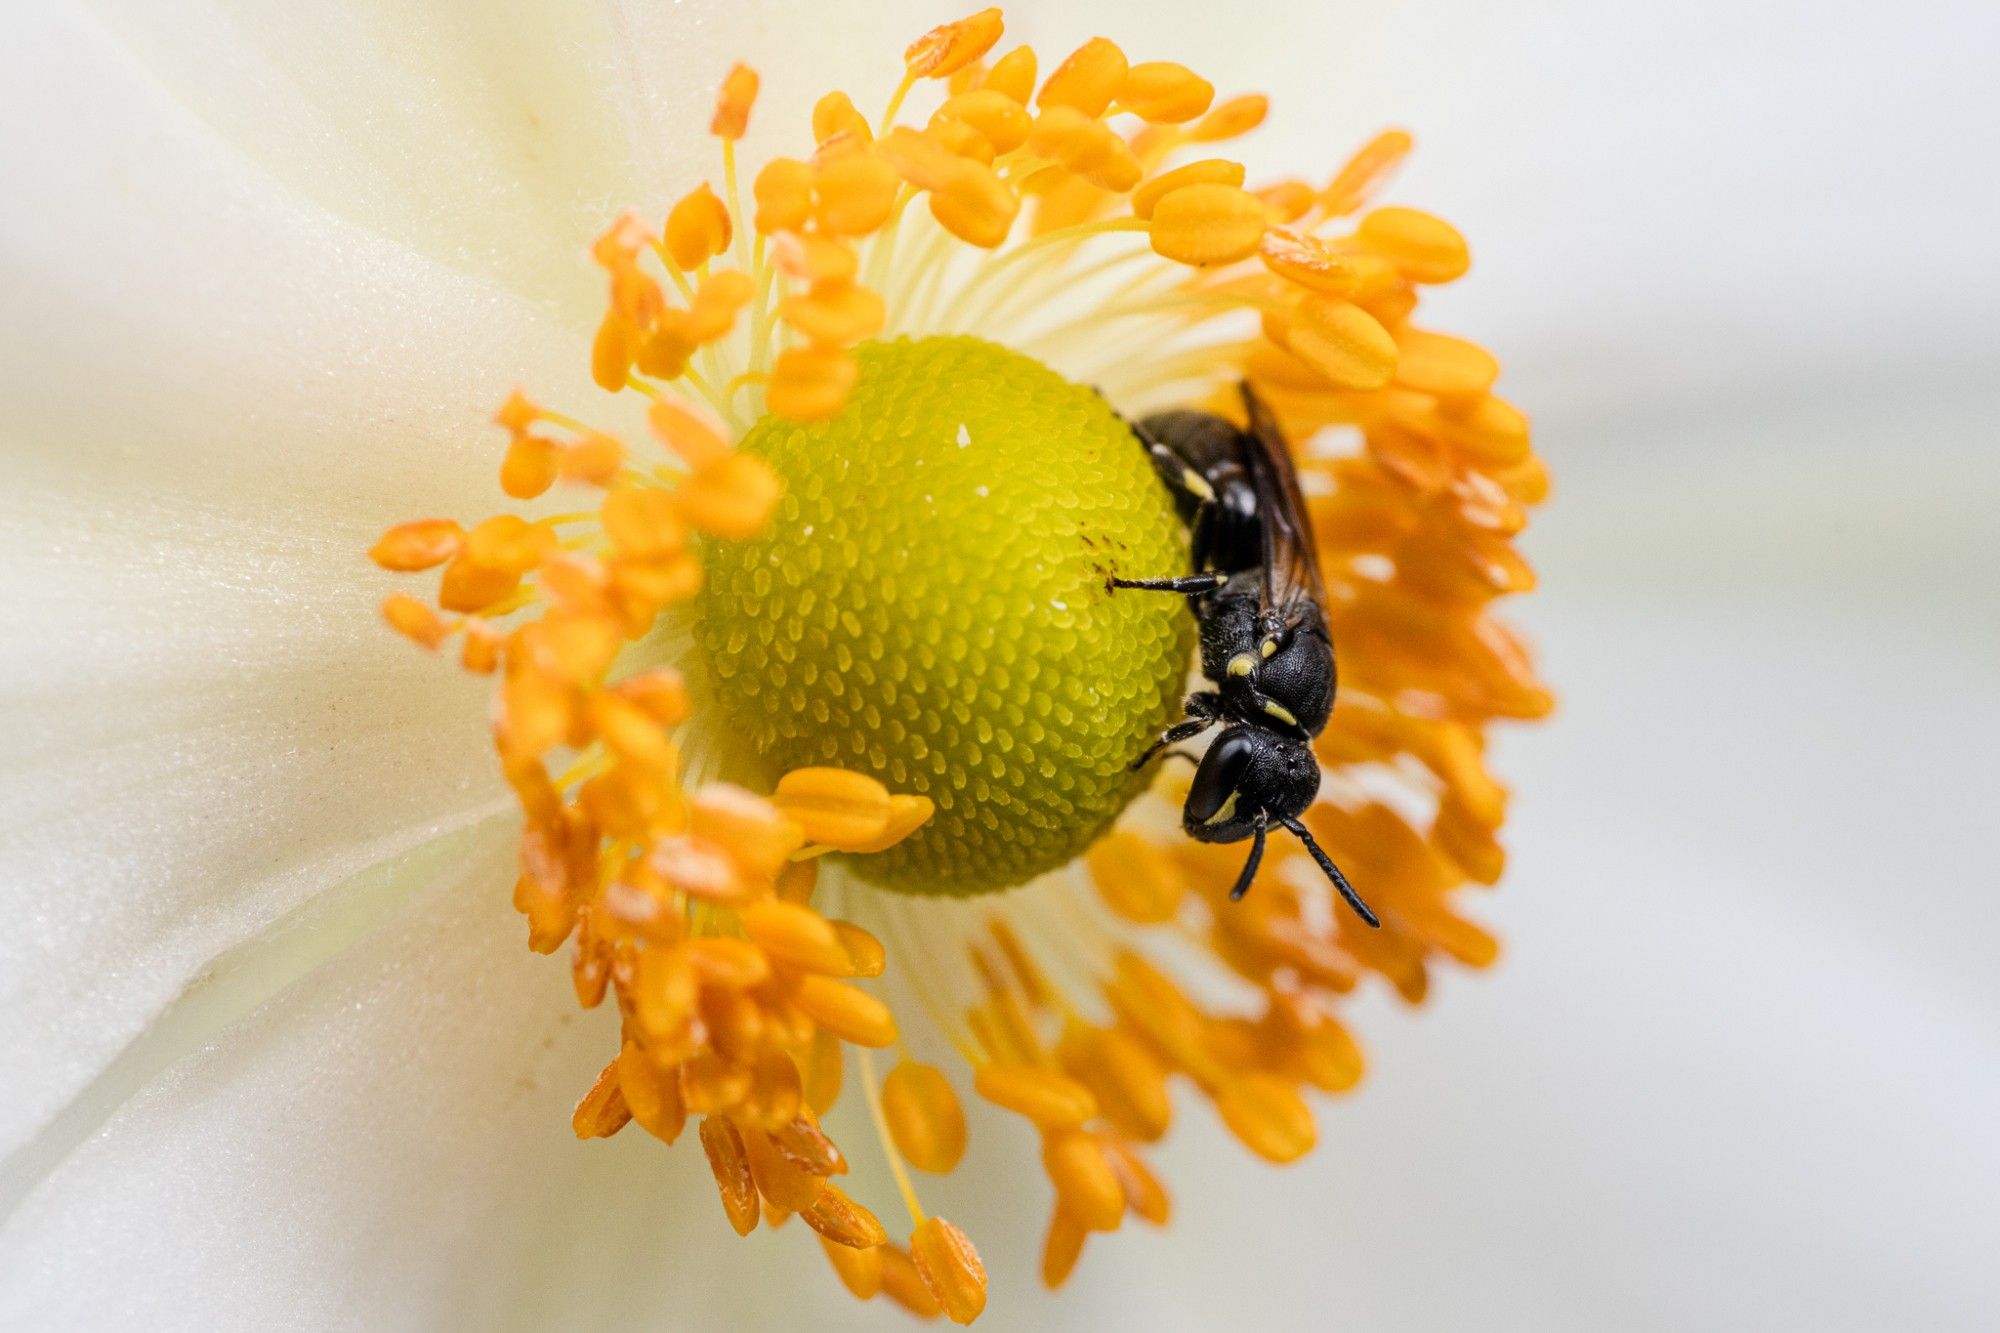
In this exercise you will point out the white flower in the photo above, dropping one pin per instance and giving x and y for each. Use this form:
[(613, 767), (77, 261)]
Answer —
[(270, 1052)]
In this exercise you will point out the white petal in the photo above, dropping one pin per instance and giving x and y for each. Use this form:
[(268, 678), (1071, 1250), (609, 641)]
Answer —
[(217, 395), (478, 134), (341, 1157)]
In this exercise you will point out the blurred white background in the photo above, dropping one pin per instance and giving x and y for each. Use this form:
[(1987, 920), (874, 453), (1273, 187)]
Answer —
[(1739, 1067)]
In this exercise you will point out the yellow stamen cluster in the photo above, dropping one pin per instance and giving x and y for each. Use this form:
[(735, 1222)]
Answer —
[(692, 905)]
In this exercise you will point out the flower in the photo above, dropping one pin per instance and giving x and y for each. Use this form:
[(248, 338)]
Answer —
[(837, 641)]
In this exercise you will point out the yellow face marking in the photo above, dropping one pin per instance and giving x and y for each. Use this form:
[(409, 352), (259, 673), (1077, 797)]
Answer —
[(1280, 712), (1226, 813), (1196, 484), (1270, 646), (1242, 664)]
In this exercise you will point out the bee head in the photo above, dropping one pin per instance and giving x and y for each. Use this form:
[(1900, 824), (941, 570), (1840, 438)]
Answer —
[(1246, 771)]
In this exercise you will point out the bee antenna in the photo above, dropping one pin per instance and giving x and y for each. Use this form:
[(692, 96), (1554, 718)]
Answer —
[(1304, 835), (1256, 859)]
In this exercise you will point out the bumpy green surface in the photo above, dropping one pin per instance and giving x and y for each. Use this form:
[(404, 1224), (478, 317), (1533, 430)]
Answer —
[(929, 607)]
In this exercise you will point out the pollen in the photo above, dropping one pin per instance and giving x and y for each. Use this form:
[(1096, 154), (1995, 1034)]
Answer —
[(830, 640)]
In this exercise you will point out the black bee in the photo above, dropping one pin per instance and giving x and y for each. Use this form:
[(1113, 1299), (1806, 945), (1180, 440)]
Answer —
[(1257, 594)]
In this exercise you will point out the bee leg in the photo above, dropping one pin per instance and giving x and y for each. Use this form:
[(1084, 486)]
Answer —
[(1256, 859), (1192, 585), (1180, 731), (1326, 864)]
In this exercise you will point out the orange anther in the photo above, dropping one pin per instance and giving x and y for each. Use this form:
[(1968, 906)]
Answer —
[(976, 206), (905, 1285), (723, 960), (1135, 877), (731, 1167), (1085, 1183), (1050, 1099), (1309, 262), (843, 1221), (796, 936), (1012, 75), (1144, 1194), (1342, 342), (815, 259), (841, 313), (467, 586), (1441, 364), (643, 521), (907, 814), (835, 114), (1129, 1082), (1088, 80), (423, 544), (529, 467), (1366, 172), (611, 353), (834, 806), (1208, 171), (998, 118), (1207, 224), (924, 1115), (1164, 93), (756, 833), (653, 1094), (518, 413), (824, 1071), (731, 498), (1085, 146), (857, 193), (784, 195), (865, 954), (733, 103), (950, 46), (805, 1142), (415, 621), (697, 866), (602, 1112), (698, 228), (1427, 249), (860, 1271), (810, 383), (849, 1013), (481, 653), (922, 160), (594, 460), (781, 1180), (1062, 1249), (1268, 1117), (950, 1267), (1287, 201), (721, 297), (1238, 116)]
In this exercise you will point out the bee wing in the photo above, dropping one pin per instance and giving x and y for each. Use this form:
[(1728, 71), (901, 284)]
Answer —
[(1291, 557)]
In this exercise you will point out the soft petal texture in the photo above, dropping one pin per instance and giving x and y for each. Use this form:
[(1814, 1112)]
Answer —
[(217, 394), (380, 1116)]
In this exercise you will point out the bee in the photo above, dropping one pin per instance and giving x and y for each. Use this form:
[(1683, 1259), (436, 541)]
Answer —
[(1256, 592)]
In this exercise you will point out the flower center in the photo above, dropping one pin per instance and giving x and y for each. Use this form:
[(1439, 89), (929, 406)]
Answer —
[(929, 606)]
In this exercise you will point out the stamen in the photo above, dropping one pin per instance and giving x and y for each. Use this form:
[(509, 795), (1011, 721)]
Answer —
[(747, 541)]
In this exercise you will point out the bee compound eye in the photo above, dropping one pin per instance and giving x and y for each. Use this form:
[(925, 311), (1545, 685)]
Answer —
[(1218, 776)]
